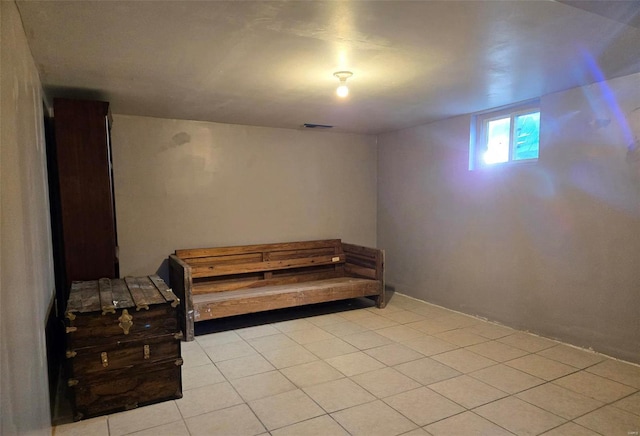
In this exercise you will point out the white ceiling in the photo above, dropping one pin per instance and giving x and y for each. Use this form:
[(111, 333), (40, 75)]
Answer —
[(271, 63)]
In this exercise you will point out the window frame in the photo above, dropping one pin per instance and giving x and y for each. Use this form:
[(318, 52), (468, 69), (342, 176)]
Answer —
[(479, 133)]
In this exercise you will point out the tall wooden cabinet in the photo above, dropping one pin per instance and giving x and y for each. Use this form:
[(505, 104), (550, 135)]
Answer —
[(83, 209)]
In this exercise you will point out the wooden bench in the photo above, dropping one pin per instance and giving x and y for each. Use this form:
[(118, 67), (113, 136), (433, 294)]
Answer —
[(220, 282)]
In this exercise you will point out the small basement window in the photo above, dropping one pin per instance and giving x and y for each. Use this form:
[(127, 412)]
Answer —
[(507, 135)]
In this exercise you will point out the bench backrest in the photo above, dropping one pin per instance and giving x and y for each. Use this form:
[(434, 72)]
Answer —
[(229, 268)]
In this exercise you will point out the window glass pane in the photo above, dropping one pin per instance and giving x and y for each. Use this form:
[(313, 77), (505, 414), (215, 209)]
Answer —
[(527, 136), (498, 141)]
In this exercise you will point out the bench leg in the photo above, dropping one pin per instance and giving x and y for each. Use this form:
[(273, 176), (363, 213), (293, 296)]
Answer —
[(380, 301)]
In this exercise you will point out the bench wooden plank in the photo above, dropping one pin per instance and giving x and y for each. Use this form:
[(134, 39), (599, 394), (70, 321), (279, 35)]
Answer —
[(360, 250), (259, 248), (359, 271), (232, 285), (181, 283), (224, 269), (220, 305), (296, 254), (230, 259), (367, 262), (358, 256)]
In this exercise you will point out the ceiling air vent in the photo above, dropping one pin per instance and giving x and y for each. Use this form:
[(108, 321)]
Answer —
[(316, 126)]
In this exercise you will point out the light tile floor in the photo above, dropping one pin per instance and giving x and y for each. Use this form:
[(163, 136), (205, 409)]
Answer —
[(411, 368)]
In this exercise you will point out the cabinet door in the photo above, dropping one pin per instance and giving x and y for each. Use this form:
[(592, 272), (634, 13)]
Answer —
[(85, 189)]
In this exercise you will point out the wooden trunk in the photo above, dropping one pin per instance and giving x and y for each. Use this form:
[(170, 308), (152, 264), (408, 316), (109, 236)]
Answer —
[(123, 344)]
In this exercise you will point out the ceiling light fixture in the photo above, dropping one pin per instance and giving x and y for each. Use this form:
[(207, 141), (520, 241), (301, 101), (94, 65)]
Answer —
[(342, 90)]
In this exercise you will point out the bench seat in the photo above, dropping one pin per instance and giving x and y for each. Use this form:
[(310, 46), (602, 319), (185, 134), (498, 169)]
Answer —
[(243, 301), (219, 282)]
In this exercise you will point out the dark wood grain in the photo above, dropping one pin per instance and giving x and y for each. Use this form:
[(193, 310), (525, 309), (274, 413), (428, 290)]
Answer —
[(158, 320), (181, 283), (85, 189), (125, 390), (90, 322), (88, 362), (114, 365)]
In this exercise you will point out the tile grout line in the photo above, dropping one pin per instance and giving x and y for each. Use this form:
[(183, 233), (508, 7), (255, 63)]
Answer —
[(458, 348), (577, 370), (291, 381), (572, 420), (228, 381), (558, 342)]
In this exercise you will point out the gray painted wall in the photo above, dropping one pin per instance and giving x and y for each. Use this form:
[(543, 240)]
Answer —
[(553, 248), (26, 266), (187, 184)]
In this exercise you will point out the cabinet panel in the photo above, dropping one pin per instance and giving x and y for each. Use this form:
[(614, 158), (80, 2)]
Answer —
[(87, 212)]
